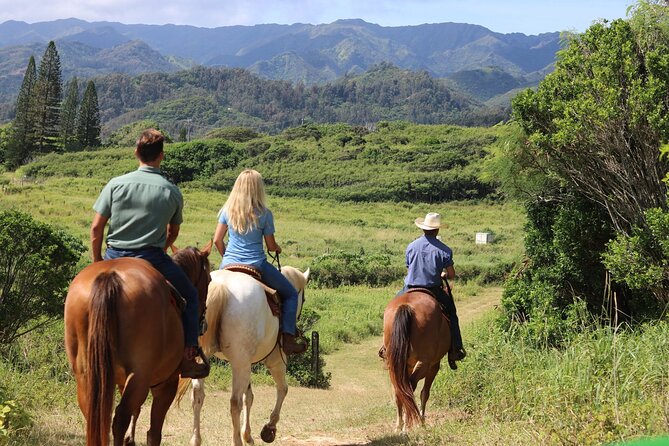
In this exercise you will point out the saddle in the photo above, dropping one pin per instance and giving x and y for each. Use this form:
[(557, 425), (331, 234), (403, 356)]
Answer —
[(434, 296), (270, 293)]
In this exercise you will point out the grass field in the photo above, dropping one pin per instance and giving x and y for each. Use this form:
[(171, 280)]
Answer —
[(608, 386), (307, 228)]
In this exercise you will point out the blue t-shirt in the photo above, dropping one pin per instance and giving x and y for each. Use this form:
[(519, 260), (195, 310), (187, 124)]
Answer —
[(247, 248), (426, 258)]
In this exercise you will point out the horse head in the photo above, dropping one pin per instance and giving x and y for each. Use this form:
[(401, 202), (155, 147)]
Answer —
[(299, 280), (195, 263)]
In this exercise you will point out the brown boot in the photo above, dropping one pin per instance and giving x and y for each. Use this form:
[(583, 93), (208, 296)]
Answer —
[(190, 367), (290, 346)]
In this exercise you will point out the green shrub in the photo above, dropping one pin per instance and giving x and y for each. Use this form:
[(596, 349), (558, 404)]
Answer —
[(342, 268), (300, 366), (198, 159), (13, 419), (37, 263)]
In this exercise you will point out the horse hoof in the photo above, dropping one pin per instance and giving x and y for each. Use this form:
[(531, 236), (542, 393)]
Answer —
[(268, 434)]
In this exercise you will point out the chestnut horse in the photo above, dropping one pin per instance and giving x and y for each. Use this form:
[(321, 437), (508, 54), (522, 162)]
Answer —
[(243, 331), (416, 335), (123, 328)]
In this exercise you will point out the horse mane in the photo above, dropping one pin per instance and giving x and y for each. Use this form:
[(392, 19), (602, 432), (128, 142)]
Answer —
[(187, 259)]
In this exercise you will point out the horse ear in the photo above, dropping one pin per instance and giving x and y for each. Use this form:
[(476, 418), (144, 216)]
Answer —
[(306, 275), (207, 249), (174, 248)]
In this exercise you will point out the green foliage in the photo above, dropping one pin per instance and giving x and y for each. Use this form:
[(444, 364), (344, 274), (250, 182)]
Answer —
[(48, 97), (68, 116), (21, 141), (13, 419), (594, 129), (88, 118), (126, 136), (563, 242), (612, 381), (601, 117), (342, 268), (234, 134), (198, 159), (102, 164), (37, 263), (214, 97), (300, 366), (641, 259)]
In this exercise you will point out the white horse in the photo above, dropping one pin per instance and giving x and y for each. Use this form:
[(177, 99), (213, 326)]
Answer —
[(243, 331)]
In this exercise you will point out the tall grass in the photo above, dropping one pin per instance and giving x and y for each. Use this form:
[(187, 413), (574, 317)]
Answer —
[(607, 385)]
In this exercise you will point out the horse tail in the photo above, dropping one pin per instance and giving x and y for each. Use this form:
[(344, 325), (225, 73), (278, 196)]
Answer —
[(397, 355), (182, 388), (102, 326), (217, 299)]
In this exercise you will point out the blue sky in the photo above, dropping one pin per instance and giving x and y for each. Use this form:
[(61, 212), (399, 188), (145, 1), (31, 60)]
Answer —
[(526, 16)]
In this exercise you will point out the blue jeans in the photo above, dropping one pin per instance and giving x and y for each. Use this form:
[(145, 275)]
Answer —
[(172, 272), (448, 304), (273, 278)]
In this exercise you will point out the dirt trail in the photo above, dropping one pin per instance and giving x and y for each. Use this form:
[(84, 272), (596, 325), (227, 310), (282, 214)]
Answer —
[(357, 409)]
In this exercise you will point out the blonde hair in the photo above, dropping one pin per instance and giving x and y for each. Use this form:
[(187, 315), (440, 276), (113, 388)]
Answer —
[(247, 200)]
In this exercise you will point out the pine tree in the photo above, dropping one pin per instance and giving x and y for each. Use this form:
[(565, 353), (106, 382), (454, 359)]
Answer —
[(48, 97), (21, 142), (88, 122), (68, 116)]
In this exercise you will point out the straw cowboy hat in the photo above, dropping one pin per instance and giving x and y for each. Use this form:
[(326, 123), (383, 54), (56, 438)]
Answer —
[(431, 221)]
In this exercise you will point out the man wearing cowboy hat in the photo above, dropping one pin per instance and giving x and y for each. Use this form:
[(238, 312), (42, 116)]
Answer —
[(429, 261)]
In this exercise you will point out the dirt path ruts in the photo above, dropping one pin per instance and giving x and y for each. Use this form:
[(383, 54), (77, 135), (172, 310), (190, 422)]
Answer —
[(357, 409)]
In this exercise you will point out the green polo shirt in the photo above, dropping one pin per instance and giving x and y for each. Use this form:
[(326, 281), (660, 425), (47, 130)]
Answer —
[(139, 206)]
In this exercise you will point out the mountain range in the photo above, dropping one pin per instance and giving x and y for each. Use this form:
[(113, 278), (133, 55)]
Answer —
[(471, 58)]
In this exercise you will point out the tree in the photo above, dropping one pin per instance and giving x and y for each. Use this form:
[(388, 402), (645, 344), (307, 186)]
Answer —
[(21, 142), (48, 98), (593, 130), (37, 262), (600, 118), (88, 121), (68, 116)]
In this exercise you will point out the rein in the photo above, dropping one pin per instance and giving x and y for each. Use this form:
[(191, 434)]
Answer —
[(275, 258)]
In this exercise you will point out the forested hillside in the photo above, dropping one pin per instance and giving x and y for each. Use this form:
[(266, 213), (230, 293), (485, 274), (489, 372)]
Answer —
[(202, 98), (302, 55)]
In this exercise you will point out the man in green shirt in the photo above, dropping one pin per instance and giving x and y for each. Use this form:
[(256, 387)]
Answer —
[(144, 212)]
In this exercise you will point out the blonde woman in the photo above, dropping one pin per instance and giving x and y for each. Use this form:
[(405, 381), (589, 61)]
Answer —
[(247, 221)]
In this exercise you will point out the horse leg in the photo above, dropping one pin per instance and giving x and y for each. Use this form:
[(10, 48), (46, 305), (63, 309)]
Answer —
[(425, 392), (163, 395), (197, 400), (129, 439), (135, 391), (82, 396), (248, 402), (277, 367), (399, 424), (241, 377)]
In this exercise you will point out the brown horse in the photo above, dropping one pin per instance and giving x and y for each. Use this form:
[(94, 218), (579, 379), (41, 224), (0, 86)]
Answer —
[(416, 335), (123, 328)]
